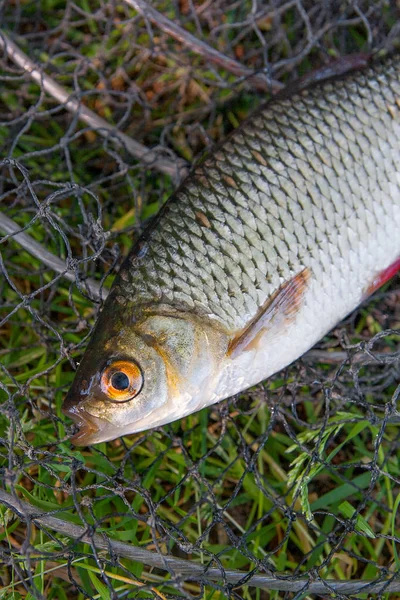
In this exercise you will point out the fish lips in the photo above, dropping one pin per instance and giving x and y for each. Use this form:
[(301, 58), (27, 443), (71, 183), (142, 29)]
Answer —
[(90, 427)]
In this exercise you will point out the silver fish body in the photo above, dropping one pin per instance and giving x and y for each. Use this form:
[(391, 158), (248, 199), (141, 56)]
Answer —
[(273, 238)]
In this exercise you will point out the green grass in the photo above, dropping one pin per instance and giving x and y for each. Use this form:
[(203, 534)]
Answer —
[(298, 487)]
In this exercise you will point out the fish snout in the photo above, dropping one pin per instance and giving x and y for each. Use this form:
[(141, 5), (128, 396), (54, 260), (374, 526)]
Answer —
[(88, 425)]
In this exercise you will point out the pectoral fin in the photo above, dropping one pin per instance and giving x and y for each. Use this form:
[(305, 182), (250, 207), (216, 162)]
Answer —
[(277, 312)]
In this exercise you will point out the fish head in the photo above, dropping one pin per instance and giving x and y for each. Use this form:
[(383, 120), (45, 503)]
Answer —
[(135, 378), (116, 385)]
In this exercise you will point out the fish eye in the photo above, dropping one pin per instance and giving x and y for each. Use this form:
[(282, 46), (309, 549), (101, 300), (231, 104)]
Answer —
[(121, 381)]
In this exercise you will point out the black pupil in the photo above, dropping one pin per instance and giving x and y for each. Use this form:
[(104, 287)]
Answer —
[(120, 381)]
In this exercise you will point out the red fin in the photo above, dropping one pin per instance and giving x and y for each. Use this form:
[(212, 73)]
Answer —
[(383, 277), (278, 310)]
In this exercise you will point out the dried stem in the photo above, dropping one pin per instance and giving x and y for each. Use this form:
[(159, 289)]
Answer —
[(152, 159), (188, 569), (338, 357), (12, 230), (259, 81)]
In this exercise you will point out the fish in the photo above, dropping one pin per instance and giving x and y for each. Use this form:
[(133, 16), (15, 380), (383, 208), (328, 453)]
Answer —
[(272, 239)]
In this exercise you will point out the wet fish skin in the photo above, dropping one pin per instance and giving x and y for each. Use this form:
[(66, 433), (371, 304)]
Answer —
[(308, 184)]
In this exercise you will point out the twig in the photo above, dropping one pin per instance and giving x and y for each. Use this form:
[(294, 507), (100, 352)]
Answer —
[(188, 569), (176, 167), (339, 357), (11, 229), (259, 81)]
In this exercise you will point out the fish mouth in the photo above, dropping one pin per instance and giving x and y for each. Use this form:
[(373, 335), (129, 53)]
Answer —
[(90, 427)]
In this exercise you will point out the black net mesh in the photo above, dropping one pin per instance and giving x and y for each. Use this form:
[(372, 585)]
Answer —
[(290, 490)]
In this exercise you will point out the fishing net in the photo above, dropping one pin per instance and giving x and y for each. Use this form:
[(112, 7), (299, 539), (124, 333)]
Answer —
[(290, 490)]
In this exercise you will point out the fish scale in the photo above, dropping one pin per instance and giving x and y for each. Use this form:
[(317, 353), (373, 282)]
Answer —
[(271, 218), (271, 240)]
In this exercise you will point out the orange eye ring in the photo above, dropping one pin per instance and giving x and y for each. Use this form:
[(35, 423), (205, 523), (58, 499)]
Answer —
[(121, 381)]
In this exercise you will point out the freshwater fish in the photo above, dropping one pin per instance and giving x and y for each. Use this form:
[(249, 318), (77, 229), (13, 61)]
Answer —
[(271, 240)]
